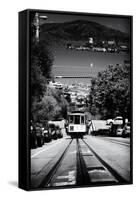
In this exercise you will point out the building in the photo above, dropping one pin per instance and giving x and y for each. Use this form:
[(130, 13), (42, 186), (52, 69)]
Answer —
[(111, 42), (91, 40)]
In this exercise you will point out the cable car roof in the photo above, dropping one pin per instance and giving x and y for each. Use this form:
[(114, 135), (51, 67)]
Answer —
[(77, 113)]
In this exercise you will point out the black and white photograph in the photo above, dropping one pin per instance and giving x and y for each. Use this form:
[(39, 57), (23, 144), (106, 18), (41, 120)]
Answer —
[(80, 99)]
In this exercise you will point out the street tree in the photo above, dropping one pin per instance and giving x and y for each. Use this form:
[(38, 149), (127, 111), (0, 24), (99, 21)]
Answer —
[(110, 92)]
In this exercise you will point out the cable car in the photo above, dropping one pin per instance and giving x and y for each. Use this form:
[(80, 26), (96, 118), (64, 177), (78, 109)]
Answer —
[(77, 124)]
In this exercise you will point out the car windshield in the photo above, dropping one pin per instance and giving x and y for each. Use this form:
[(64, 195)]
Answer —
[(118, 118)]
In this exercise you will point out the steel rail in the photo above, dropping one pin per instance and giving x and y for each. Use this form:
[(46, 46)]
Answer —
[(113, 172), (45, 182)]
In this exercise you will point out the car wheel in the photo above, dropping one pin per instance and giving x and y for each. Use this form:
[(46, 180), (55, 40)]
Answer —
[(123, 134)]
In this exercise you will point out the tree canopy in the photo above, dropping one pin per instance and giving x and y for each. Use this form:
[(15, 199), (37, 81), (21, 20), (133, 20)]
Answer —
[(52, 106), (41, 63), (110, 92)]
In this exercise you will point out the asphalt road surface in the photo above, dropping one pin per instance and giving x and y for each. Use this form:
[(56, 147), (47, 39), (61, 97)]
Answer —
[(91, 161)]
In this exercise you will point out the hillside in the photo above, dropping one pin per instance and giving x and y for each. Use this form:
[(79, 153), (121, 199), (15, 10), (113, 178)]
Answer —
[(80, 30)]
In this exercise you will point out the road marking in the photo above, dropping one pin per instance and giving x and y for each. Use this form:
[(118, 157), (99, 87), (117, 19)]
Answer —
[(46, 148)]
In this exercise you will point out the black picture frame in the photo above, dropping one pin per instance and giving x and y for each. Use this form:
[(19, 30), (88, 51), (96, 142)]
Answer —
[(25, 93)]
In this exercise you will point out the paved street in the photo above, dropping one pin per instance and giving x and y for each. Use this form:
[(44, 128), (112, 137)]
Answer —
[(58, 162), (116, 152), (42, 159)]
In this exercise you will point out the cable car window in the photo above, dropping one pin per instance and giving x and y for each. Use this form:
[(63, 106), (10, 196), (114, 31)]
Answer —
[(77, 119), (82, 119), (71, 119)]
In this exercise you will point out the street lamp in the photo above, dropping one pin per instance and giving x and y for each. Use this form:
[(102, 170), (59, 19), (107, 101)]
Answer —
[(37, 24)]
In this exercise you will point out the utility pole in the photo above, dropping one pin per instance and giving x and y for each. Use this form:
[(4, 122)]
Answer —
[(37, 25)]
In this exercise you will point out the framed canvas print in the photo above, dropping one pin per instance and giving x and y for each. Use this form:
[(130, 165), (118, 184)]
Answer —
[(75, 99)]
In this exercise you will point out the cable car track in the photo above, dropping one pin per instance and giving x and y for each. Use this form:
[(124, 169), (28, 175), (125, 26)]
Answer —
[(113, 172), (85, 168), (82, 173), (53, 170)]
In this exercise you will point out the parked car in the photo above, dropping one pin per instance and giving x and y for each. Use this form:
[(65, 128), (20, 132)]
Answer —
[(124, 48), (33, 139), (116, 121), (126, 130), (66, 126), (47, 135), (119, 131), (99, 49), (112, 50), (59, 132), (52, 131), (39, 136)]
